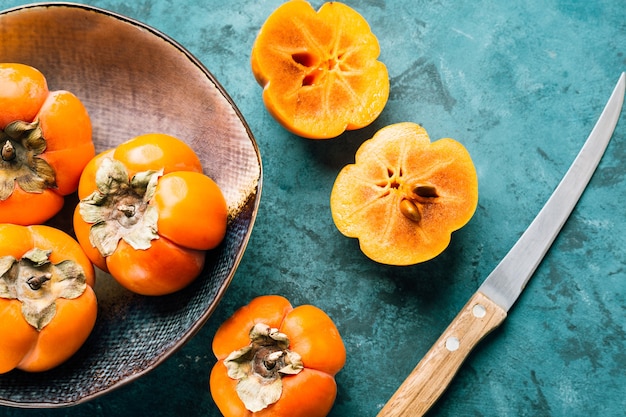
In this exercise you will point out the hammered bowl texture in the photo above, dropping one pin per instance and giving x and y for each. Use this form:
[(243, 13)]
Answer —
[(134, 80)]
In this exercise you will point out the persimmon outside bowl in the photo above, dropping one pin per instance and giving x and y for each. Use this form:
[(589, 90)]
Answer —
[(133, 80)]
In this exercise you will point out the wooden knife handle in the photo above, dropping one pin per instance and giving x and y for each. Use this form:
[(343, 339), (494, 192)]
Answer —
[(432, 375)]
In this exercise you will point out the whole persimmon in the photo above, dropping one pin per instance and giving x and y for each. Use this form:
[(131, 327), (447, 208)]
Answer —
[(276, 360), (147, 214), (405, 195), (45, 142), (320, 71), (47, 304)]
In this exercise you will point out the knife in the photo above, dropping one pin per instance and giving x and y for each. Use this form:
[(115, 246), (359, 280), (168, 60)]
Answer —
[(488, 307)]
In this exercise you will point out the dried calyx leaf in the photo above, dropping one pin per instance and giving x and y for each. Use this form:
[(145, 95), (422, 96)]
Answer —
[(38, 283), (21, 143), (120, 209), (260, 366)]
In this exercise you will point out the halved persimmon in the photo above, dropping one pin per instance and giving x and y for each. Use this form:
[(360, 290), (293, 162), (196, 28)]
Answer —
[(404, 196), (319, 70)]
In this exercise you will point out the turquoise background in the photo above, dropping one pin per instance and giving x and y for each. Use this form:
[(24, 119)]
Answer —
[(520, 84)]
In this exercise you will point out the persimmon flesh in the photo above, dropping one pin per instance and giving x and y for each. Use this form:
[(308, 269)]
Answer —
[(319, 70), (405, 195)]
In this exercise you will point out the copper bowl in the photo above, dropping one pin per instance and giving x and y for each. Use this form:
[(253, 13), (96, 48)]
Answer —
[(133, 80)]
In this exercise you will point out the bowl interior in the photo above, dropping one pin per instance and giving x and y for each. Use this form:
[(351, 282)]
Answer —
[(134, 80)]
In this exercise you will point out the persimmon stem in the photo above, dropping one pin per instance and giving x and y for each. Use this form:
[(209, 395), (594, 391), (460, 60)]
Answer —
[(8, 151), (127, 209), (35, 282), (270, 360)]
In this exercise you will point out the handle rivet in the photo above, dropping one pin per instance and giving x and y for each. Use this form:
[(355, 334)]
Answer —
[(479, 311), (452, 343)]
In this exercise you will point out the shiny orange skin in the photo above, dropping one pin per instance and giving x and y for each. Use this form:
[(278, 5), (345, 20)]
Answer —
[(311, 333), (21, 345), (66, 126), (192, 216), (24, 90)]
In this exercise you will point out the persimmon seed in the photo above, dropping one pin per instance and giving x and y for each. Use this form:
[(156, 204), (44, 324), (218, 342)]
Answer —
[(426, 191), (410, 210)]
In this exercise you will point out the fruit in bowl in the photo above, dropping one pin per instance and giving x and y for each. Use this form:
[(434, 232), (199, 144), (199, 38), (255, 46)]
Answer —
[(113, 64)]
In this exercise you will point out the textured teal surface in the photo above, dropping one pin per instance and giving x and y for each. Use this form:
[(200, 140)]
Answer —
[(520, 84)]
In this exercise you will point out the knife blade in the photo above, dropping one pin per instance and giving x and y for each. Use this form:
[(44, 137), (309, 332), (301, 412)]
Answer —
[(489, 305)]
